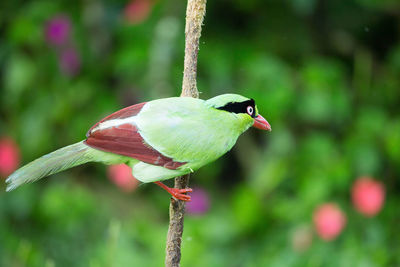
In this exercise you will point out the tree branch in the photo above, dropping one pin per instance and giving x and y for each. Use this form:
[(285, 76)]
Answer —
[(195, 12)]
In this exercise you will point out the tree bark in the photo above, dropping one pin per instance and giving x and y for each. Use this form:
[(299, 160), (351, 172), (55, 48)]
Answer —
[(195, 12)]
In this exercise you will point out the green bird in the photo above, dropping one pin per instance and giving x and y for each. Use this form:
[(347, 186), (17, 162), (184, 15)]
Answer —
[(159, 139)]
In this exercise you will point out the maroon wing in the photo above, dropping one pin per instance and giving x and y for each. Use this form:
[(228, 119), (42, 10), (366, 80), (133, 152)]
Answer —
[(120, 114), (124, 139)]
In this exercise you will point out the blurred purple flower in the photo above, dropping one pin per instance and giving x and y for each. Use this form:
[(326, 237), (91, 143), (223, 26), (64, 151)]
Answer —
[(57, 30), (200, 203), (69, 61)]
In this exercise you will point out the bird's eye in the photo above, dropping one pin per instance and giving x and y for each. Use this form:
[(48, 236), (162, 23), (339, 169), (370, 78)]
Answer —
[(250, 110)]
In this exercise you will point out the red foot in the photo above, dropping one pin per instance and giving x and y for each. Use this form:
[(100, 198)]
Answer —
[(175, 192)]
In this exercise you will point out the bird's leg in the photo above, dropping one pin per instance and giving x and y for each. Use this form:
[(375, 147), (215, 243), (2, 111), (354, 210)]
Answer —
[(175, 192)]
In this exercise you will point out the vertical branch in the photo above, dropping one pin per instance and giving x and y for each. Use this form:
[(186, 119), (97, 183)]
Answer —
[(195, 12), (194, 19)]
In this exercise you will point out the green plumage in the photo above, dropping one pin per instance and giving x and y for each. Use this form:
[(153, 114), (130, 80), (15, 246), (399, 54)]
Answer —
[(197, 133), (187, 130)]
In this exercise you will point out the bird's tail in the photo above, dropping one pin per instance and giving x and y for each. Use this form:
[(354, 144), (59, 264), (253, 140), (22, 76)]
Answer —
[(57, 161)]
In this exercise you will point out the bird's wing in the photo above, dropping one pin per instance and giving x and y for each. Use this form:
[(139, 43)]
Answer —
[(117, 134), (120, 114), (185, 129)]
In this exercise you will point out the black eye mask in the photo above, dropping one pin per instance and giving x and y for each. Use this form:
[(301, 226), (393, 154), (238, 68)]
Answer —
[(240, 107)]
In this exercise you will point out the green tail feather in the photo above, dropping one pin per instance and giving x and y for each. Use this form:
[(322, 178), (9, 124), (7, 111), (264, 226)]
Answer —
[(57, 161)]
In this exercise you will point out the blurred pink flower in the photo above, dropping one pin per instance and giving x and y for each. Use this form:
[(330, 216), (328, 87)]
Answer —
[(329, 221), (137, 11), (301, 238), (69, 61), (121, 175), (57, 30), (368, 196), (9, 156), (200, 203)]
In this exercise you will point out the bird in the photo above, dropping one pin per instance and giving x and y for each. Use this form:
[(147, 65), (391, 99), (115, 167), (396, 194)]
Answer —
[(158, 139)]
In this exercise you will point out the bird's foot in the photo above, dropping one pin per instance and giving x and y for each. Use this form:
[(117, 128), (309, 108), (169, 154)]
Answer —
[(176, 192), (180, 193)]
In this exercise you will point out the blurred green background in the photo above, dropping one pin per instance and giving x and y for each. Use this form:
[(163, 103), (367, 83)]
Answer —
[(324, 73)]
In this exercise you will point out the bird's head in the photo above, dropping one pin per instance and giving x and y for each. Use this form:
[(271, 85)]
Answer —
[(244, 110)]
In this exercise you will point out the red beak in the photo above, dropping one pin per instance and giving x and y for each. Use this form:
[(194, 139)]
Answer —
[(261, 123)]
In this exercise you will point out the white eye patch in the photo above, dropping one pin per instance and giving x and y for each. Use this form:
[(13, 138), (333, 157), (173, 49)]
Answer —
[(250, 110)]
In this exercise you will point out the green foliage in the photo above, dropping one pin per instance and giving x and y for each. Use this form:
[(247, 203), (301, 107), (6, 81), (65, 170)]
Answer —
[(325, 74)]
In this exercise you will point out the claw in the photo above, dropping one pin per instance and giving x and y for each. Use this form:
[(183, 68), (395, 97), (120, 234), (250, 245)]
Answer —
[(176, 192), (180, 193), (182, 197)]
